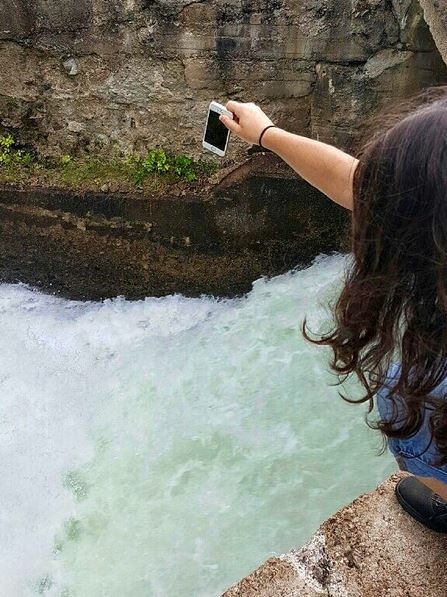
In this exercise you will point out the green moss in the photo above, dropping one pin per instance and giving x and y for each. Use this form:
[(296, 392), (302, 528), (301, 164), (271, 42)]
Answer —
[(155, 171)]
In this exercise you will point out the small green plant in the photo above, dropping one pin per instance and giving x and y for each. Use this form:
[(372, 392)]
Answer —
[(66, 160), (10, 155), (23, 157), (158, 162), (155, 162), (6, 144), (184, 166)]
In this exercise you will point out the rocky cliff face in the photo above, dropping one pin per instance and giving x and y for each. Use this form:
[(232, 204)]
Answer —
[(435, 14), (102, 74)]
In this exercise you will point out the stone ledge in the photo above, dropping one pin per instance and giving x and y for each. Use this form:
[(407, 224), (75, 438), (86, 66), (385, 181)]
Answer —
[(259, 220), (371, 548)]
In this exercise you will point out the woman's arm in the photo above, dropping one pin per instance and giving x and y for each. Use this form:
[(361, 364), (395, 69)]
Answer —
[(323, 166)]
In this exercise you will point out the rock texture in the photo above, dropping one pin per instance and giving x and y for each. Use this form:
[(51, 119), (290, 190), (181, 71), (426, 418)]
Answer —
[(435, 14), (101, 75), (94, 245), (371, 548)]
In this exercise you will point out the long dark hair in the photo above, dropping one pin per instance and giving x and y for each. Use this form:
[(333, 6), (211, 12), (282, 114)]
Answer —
[(394, 301)]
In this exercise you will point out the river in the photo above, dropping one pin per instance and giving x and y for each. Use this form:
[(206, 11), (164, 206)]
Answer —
[(167, 447)]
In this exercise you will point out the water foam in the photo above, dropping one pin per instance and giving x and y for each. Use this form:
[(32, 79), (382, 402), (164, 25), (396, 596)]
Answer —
[(168, 446)]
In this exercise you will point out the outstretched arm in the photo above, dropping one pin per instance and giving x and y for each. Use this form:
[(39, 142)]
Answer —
[(325, 167)]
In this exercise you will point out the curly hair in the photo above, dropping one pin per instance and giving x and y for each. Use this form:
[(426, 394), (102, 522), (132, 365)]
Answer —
[(394, 301)]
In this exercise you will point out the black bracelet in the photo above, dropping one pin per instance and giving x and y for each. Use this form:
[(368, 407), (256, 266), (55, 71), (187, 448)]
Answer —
[(262, 134)]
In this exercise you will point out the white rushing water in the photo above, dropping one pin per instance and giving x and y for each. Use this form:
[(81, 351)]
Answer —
[(167, 447)]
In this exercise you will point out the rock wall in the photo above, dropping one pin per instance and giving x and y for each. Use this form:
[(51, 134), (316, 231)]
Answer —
[(435, 14), (371, 548), (100, 75), (125, 75), (257, 221)]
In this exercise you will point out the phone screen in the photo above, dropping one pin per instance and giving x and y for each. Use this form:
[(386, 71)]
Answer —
[(216, 132)]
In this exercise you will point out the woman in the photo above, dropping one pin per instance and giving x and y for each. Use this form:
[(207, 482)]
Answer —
[(393, 307)]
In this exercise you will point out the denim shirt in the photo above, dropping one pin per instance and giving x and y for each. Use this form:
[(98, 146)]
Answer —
[(412, 454)]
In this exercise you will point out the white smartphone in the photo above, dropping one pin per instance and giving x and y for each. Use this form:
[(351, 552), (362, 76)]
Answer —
[(216, 134)]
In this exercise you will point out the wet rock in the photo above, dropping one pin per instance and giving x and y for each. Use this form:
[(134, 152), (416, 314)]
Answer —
[(371, 548), (262, 220)]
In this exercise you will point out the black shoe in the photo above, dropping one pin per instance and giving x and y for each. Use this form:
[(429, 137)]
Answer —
[(423, 504)]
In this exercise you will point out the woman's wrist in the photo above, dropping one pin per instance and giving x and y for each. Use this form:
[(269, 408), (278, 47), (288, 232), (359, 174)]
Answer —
[(270, 138), (264, 130)]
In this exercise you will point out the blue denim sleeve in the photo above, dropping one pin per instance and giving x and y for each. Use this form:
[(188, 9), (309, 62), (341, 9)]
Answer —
[(383, 404), (418, 454)]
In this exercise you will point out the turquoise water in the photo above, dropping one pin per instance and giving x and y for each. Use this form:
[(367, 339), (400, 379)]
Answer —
[(167, 447)]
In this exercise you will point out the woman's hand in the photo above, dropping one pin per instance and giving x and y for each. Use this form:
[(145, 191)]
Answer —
[(325, 167), (248, 121)]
